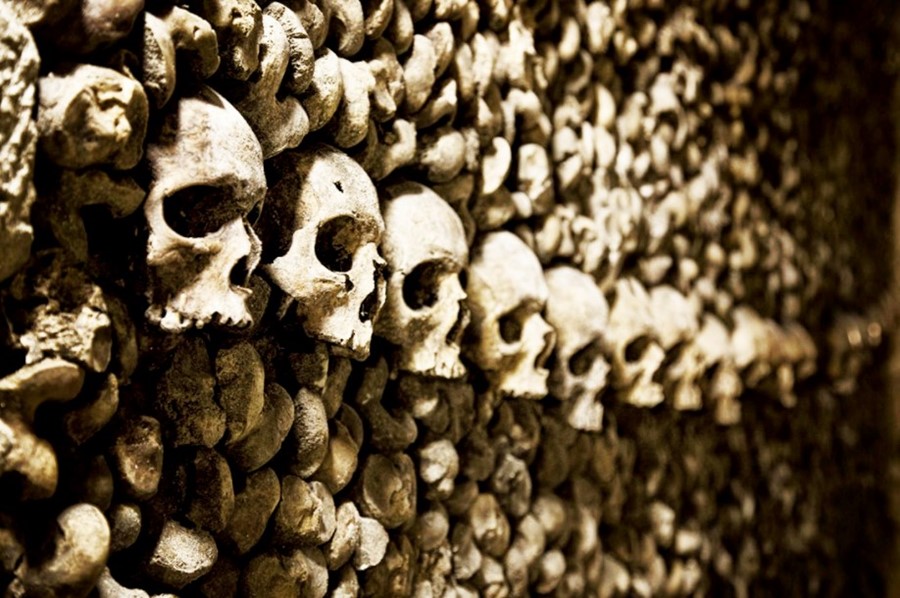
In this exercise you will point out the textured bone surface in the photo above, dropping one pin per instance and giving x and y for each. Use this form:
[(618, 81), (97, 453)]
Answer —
[(507, 292), (458, 298), (207, 174), (425, 312), (325, 226)]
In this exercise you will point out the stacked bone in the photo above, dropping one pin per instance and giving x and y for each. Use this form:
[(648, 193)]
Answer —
[(410, 297)]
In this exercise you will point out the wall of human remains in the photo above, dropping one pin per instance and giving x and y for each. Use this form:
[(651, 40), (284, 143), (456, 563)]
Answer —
[(444, 297)]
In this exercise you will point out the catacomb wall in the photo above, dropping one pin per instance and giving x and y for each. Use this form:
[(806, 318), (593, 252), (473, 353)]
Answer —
[(445, 297)]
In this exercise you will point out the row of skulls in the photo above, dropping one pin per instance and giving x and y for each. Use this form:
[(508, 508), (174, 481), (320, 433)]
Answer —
[(346, 267)]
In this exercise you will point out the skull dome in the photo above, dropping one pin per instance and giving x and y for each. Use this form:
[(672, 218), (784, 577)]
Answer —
[(510, 341), (323, 225), (207, 174), (424, 313)]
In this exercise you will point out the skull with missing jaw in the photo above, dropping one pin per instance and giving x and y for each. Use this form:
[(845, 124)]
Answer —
[(425, 311), (207, 175), (323, 226), (510, 340)]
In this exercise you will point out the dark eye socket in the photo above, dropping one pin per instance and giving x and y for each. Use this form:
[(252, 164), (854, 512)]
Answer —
[(511, 326), (581, 361), (336, 242), (198, 211), (420, 287), (636, 348)]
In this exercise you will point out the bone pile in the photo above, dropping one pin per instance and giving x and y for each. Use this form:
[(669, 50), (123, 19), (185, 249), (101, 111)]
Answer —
[(419, 297)]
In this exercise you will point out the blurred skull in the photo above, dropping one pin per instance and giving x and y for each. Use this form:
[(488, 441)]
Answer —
[(510, 341), (636, 354), (579, 313), (426, 251)]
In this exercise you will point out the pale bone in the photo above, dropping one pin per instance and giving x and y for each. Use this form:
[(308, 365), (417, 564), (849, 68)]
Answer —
[(388, 489), (400, 30), (378, 17), (350, 124), (305, 515), (21, 393), (676, 328), (490, 525), (373, 544), (524, 117), (77, 189), (340, 460), (80, 547), (467, 558), (438, 468), (578, 312), (302, 59), (69, 317), (442, 154), (18, 137), (424, 313), (441, 107), (636, 354), (309, 433), (92, 116), (351, 32), (206, 150), (389, 89), (534, 176), (510, 339), (194, 40), (278, 121), (323, 219), (511, 482), (383, 154), (346, 537), (418, 74), (325, 91), (181, 555), (238, 26)]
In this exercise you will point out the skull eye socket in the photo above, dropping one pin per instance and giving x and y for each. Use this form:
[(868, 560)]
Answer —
[(511, 327), (636, 348), (420, 287), (581, 361), (336, 242), (199, 211)]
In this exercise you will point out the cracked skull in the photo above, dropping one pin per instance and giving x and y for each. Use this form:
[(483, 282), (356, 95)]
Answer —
[(324, 223), (206, 176), (510, 340), (579, 313), (424, 313)]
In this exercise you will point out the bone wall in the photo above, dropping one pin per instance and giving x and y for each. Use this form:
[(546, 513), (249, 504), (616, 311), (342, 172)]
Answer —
[(445, 297)]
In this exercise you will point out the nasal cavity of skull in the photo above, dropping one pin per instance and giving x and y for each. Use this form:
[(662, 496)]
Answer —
[(581, 361), (199, 211), (336, 242), (240, 274), (420, 287), (636, 348), (369, 305)]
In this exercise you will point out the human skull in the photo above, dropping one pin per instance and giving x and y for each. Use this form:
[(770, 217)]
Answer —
[(206, 176), (424, 313), (510, 341), (578, 312), (323, 220), (636, 354), (723, 383), (677, 325)]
